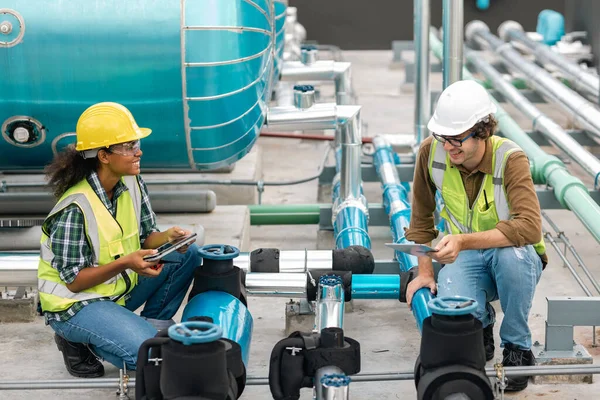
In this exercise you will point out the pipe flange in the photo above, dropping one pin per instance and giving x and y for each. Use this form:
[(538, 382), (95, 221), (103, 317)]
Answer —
[(23, 131), (12, 28), (507, 26)]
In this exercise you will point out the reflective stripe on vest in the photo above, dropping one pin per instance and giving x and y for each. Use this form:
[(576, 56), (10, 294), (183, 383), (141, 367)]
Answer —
[(502, 153), (109, 238)]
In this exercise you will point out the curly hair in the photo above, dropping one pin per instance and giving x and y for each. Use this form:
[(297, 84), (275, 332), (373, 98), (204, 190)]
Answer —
[(68, 168), (485, 127)]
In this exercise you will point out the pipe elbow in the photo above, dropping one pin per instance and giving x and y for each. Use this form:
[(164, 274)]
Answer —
[(349, 122)]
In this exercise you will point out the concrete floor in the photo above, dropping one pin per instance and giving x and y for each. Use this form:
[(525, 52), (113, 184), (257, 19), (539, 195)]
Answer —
[(386, 329)]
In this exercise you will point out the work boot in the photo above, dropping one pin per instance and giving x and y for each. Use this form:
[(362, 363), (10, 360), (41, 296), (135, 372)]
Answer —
[(488, 342), (79, 360), (514, 357)]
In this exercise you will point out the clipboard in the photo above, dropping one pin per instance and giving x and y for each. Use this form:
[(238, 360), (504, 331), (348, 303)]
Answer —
[(418, 250)]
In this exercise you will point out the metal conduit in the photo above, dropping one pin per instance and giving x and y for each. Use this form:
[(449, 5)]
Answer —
[(395, 201), (569, 191), (582, 80), (422, 12), (584, 111), (541, 122), (452, 25), (114, 383)]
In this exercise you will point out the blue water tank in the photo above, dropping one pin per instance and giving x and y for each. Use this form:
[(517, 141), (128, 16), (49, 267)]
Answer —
[(280, 16), (197, 72)]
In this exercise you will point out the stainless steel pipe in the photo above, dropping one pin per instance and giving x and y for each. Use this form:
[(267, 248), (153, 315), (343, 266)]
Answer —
[(351, 142), (276, 284), (332, 386), (20, 269), (318, 117), (541, 122), (422, 12), (583, 111), (452, 26), (582, 80), (338, 72), (113, 383), (330, 303)]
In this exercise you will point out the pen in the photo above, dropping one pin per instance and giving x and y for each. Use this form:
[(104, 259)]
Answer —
[(486, 202)]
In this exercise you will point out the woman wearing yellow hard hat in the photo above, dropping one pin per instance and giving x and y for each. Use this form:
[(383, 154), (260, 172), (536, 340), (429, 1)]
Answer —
[(92, 274)]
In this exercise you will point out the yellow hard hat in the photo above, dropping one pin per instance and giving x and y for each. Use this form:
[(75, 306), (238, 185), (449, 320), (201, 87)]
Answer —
[(105, 124)]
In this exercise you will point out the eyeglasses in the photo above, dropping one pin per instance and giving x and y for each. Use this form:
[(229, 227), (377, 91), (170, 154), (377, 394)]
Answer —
[(126, 149), (453, 141)]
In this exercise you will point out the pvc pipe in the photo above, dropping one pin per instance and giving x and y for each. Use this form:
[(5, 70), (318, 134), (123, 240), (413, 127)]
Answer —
[(422, 12), (541, 122), (287, 214), (452, 18), (395, 201), (569, 191), (583, 111), (582, 80), (40, 203)]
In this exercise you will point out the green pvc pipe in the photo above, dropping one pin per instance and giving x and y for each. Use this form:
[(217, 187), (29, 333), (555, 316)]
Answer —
[(545, 168), (285, 214)]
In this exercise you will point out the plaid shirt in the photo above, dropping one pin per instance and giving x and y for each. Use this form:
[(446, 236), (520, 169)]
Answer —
[(68, 241)]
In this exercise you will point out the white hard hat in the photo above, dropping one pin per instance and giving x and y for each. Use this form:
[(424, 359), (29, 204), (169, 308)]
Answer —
[(460, 106)]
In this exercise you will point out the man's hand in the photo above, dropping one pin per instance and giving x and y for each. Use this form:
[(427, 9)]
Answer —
[(175, 233), (448, 249), (136, 262), (421, 281)]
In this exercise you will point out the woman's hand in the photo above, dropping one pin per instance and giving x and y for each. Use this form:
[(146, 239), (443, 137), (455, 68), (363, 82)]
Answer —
[(136, 262), (175, 233)]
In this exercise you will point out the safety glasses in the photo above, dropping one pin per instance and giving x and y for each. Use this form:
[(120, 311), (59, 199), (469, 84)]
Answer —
[(453, 141), (126, 149)]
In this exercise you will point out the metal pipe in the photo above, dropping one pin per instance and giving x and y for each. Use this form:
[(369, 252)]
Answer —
[(338, 72), (380, 287), (335, 387), (319, 375), (276, 284), (330, 303), (318, 117), (286, 214), (569, 191), (422, 11), (578, 258), (113, 383), (395, 201), (582, 80), (583, 111), (452, 17), (304, 136), (541, 122), (350, 127), (553, 243)]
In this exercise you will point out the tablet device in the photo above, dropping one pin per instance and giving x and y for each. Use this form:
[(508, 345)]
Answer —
[(171, 247), (414, 249)]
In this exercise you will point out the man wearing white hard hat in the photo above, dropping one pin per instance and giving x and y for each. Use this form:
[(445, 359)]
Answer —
[(493, 248)]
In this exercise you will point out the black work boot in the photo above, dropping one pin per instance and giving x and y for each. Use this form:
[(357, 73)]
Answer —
[(79, 360), (514, 357), (488, 342)]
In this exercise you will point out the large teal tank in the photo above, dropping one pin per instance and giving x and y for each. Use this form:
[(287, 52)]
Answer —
[(197, 72), (280, 14)]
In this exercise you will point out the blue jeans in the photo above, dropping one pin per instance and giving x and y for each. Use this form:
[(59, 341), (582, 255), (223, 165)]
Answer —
[(509, 274), (115, 333)]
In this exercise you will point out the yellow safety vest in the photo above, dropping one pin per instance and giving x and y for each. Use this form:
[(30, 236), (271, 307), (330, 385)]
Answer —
[(480, 217), (108, 237)]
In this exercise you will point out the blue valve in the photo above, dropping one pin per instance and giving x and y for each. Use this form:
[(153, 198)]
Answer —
[(335, 380), (330, 280), (195, 332), (452, 306), (304, 88), (219, 252), (483, 4)]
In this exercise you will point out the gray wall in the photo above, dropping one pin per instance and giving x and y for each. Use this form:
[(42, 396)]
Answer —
[(345, 22)]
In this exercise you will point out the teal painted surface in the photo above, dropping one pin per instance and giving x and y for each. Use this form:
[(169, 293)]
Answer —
[(280, 12), (75, 54), (227, 312), (551, 25)]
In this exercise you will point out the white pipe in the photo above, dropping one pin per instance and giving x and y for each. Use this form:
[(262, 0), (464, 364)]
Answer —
[(452, 16)]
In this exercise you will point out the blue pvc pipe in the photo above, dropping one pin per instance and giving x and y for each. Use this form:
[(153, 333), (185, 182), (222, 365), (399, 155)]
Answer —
[(227, 312), (380, 287), (395, 201)]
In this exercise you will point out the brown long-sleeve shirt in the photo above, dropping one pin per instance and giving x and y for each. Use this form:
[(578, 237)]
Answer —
[(524, 228)]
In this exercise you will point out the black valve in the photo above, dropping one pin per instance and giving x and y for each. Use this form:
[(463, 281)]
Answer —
[(296, 360)]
